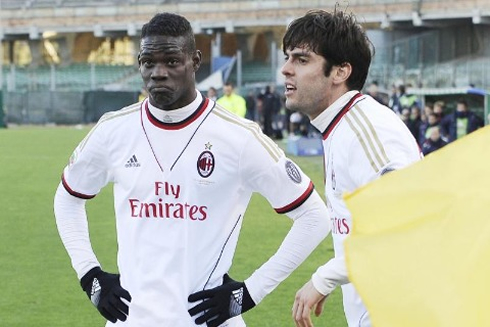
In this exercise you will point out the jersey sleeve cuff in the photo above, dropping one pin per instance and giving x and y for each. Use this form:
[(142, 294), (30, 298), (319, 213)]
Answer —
[(74, 193), (322, 285), (298, 202)]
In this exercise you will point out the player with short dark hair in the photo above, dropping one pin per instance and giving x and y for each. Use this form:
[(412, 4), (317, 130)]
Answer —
[(183, 170), (327, 61)]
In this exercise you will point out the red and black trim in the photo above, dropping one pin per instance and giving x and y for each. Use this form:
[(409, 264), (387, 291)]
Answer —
[(339, 116), (74, 193), (174, 126), (299, 201)]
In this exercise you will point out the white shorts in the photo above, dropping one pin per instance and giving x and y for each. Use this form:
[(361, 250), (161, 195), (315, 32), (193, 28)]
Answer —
[(355, 311)]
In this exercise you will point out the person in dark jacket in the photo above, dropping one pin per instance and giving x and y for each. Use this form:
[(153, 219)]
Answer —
[(460, 123), (434, 141)]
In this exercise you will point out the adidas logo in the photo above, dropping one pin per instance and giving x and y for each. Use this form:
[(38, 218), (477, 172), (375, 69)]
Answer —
[(238, 294), (132, 162), (95, 292), (236, 302)]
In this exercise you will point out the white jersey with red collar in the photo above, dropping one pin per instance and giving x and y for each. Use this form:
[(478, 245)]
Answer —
[(362, 140), (180, 192)]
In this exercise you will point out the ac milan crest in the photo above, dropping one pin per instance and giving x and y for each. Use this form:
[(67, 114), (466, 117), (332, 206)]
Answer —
[(205, 164), (293, 172)]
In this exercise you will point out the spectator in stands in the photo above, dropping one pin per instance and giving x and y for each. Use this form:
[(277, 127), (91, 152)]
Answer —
[(439, 107), (415, 121), (426, 127), (428, 109), (251, 103), (460, 122), (405, 116), (232, 101), (271, 105), (372, 90), (406, 100), (212, 93), (434, 142), (394, 102)]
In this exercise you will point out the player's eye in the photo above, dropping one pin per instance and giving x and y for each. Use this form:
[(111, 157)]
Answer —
[(173, 62), (146, 62)]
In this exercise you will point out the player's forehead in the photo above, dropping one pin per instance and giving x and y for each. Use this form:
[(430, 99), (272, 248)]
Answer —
[(162, 44), (302, 50)]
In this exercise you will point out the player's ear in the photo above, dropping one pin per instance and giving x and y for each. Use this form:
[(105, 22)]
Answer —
[(342, 72), (196, 60)]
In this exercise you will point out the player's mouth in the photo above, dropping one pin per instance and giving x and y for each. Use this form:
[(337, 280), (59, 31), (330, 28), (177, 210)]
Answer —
[(160, 89), (162, 94), (289, 89)]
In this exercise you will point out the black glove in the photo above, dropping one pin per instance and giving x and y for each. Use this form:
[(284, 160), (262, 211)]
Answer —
[(105, 292), (221, 303)]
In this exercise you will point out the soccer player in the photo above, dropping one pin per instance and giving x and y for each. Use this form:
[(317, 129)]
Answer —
[(183, 170), (327, 61)]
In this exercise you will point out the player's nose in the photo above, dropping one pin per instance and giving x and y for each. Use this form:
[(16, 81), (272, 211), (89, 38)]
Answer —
[(287, 68), (159, 71)]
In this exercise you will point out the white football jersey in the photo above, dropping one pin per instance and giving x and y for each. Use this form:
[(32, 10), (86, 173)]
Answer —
[(362, 140), (180, 192)]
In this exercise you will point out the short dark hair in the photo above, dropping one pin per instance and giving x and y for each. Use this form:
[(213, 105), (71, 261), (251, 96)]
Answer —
[(462, 101), (335, 36), (169, 24)]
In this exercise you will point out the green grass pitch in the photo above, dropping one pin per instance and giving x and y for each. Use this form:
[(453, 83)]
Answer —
[(39, 287)]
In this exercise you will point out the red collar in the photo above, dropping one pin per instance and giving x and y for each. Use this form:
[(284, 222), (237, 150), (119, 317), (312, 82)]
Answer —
[(339, 116), (181, 124)]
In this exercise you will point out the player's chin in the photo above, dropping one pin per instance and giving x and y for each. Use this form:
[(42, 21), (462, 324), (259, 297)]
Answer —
[(290, 104), (162, 99)]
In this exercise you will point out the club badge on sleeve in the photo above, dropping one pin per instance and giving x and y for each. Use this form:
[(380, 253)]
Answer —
[(293, 172)]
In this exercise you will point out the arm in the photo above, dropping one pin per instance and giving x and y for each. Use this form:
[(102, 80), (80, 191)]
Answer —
[(315, 291), (310, 227), (103, 289), (71, 220)]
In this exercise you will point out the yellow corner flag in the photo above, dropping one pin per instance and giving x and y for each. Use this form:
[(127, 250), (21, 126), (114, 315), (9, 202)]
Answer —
[(419, 252)]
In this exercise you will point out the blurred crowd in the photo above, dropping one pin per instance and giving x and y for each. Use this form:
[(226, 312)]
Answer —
[(432, 125), (266, 107)]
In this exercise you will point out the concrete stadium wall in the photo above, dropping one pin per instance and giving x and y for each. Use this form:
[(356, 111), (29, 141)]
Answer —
[(63, 108), (228, 14)]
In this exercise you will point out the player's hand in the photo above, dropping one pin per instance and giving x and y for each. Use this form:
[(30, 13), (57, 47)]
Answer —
[(307, 298), (106, 293), (221, 303)]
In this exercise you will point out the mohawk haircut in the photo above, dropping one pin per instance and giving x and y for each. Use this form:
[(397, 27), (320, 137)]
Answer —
[(169, 24)]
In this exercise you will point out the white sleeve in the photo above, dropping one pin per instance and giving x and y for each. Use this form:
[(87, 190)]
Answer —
[(311, 225), (330, 275), (71, 220)]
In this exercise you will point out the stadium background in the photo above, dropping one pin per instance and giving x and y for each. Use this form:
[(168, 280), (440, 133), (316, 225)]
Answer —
[(68, 61)]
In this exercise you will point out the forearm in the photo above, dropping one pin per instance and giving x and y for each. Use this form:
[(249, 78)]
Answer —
[(71, 220), (330, 275), (310, 227)]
